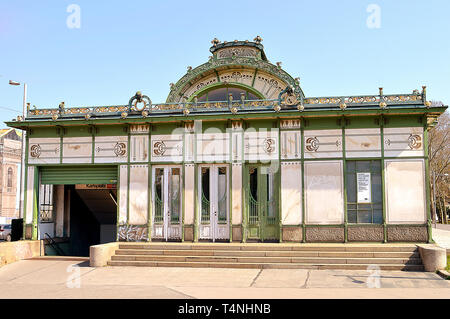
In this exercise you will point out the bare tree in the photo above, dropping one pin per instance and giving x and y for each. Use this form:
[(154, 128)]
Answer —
[(439, 152)]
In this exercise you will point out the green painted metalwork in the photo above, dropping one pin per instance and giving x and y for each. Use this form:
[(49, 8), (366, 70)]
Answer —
[(74, 174), (263, 203), (427, 182)]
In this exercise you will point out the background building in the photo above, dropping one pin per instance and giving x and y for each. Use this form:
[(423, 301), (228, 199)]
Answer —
[(10, 155)]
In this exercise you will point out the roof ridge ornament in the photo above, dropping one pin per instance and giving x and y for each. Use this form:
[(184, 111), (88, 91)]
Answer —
[(215, 42), (258, 39), (139, 98)]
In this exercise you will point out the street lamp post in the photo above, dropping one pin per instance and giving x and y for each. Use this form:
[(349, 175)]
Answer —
[(22, 163)]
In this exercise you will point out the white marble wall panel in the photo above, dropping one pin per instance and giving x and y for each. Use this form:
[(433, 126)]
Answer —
[(324, 195), (261, 145), (111, 149), (236, 194), (29, 195), (291, 144), (236, 146), (139, 148), (189, 147), (404, 141), (323, 143), (123, 192), (138, 204), (213, 147), (189, 171), (44, 150), (364, 142), (167, 148), (77, 149), (291, 193), (405, 191)]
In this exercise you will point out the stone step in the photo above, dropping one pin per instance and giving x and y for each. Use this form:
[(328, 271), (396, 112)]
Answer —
[(272, 247), (262, 265), (237, 259), (249, 253)]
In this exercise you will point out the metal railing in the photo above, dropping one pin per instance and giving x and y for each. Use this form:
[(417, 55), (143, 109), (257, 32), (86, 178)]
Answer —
[(235, 106), (54, 245)]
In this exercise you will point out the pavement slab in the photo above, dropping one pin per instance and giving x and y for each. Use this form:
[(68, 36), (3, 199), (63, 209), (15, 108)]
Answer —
[(75, 279)]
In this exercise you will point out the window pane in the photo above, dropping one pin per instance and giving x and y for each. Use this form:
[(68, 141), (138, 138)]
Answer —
[(377, 196), (205, 195), (218, 95), (351, 216), (351, 166), (378, 216), (363, 166), (174, 194), (351, 188), (159, 177), (222, 193), (364, 216)]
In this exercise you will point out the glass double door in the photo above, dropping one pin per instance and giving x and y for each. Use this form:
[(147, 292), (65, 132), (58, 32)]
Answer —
[(213, 194), (262, 204), (167, 200)]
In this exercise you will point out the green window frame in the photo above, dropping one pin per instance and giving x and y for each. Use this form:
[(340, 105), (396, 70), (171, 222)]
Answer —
[(370, 211)]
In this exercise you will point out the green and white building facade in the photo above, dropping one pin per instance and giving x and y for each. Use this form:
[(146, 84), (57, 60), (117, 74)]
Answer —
[(237, 153)]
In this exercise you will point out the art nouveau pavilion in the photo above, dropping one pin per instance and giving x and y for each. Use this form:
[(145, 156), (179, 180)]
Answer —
[(237, 153)]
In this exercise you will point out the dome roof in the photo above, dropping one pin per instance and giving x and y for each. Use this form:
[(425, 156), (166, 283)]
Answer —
[(241, 64)]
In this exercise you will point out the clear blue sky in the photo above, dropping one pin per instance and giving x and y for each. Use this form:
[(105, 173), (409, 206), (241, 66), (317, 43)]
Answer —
[(125, 46)]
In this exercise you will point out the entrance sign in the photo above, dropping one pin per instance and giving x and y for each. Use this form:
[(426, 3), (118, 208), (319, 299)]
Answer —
[(95, 186), (364, 189)]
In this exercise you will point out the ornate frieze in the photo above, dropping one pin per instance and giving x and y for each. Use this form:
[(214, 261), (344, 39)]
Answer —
[(363, 142), (322, 143), (237, 51), (110, 149), (77, 150), (44, 150), (260, 145), (290, 144), (167, 148), (406, 141)]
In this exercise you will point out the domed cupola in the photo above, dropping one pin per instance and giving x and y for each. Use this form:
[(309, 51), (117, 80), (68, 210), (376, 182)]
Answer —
[(237, 70)]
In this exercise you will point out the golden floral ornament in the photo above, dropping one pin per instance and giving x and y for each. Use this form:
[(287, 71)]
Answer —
[(54, 117), (87, 116), (258, 39), (277, 108), (144, 113), (343, 106), (383, 105), (186, 112), (123, 115), (300, 107), (234, 110), (427, 103)]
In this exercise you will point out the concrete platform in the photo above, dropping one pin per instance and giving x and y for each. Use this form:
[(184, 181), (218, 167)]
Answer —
[(58, 279)]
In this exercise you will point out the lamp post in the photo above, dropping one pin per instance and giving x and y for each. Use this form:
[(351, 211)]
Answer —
[(22, 162)]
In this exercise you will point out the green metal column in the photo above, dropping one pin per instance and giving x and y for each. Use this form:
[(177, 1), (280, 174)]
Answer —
[(427, 180), (344, 169)]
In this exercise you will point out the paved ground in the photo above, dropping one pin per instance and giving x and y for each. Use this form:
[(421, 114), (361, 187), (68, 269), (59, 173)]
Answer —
[(74, 279), (441, 235)]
